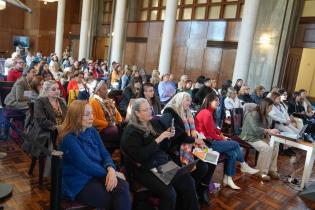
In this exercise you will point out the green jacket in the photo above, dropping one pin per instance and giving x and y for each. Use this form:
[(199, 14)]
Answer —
[(253, 129)]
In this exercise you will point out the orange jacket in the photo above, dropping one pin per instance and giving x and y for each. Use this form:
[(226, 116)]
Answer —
[(99, 120)]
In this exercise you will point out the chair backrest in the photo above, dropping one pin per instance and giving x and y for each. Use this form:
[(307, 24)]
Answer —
[(5, 89), (236, 120), (130, 164), (55, 193)]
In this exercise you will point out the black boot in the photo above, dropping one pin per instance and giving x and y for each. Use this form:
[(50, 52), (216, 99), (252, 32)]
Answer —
[(203, 194)]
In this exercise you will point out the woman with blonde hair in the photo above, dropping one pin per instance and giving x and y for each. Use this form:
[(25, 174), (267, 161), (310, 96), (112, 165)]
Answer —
[(89, 174), (182, 82), (49, 113)]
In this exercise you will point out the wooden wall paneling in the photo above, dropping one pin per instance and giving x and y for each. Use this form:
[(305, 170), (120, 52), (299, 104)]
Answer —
[(99, 47), (299, 36), (211, 62), (227, 65), (46, 44), (132, 29), (178, 66), (194, 62), (48, 16), (232, 31), (155, 29), (6, 43), (292, 66), (11, 18), (143, 29), (196, 43), (183, 29), (75, 47), (216, 30), (152, 54), (129, 53), (199, 29), (140, 54)]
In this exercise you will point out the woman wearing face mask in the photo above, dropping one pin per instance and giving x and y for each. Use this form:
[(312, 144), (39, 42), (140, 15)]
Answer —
[(89, 174), (256, 126)]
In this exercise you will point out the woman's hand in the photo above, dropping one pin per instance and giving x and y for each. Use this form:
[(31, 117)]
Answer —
[(273, 131), (164, 135), (111, 179)]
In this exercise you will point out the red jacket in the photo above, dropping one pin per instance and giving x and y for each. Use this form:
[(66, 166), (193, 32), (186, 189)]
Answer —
[(205, 124), (14, 75)]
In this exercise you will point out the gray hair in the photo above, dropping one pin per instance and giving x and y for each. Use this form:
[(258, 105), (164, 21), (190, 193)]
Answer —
[(230, 91), (134, 120), (176, 103), (46, 87)]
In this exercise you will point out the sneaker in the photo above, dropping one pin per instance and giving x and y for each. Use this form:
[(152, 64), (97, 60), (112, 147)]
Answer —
[(263, 177), (274, 174)]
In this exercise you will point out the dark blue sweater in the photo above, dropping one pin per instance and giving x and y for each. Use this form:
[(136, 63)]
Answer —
[(84, 157)]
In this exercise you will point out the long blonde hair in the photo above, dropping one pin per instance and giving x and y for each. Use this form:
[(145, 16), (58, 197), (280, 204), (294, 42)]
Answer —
[(176, 103), (73, 120)]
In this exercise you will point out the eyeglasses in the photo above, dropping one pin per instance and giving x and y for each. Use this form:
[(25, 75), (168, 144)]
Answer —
[(20, 62), (148, 109)]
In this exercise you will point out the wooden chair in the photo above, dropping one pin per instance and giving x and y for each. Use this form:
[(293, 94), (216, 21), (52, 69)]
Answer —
[(141, 193), (5, 88), (55, 194)]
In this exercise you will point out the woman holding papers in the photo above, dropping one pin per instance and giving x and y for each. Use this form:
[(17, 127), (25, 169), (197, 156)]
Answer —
[(144, 142), (177, 110), (205, 125)]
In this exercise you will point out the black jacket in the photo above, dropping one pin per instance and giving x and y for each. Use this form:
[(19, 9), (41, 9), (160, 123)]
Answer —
[(246, 98), (202, 93), (143, 148)]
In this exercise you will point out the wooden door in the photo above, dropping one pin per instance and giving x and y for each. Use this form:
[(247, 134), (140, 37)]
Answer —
[(291, 69)]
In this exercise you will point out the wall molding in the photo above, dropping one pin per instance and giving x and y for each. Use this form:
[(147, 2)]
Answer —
[(222, 44), (137, 39)]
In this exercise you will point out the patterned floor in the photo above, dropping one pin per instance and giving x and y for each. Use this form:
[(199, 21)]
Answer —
[(254, 195)]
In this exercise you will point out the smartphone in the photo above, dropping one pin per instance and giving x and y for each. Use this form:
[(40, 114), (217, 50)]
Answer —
[(173, 128)]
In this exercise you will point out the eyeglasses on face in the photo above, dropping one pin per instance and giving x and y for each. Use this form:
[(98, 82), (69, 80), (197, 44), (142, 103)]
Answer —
[(148, 109)]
